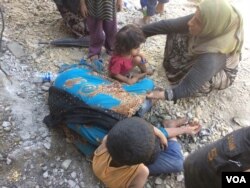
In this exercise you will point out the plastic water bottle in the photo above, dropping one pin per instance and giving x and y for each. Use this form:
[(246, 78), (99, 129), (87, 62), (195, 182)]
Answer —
[(41, 77)]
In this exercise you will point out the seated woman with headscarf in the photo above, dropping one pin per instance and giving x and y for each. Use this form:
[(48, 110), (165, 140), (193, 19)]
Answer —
[(202, 51)]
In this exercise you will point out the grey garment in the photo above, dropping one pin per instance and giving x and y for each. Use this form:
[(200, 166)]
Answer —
[(203, 67), (203, 167)]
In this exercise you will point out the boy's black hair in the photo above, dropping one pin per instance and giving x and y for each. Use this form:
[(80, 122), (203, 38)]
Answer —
[(128, 37), (131, 141)]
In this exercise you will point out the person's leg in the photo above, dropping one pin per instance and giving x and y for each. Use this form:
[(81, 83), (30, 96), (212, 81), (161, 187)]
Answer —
[(160, 6), (96, 33), (150, 10), (110, 29), (168, 161)]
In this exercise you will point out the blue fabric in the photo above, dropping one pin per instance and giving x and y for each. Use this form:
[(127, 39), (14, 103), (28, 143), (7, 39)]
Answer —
[(164, 131), (168, 161), (81, 82)]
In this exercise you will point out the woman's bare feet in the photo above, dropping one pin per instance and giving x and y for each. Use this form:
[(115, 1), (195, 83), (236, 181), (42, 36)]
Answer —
[(175, 123)]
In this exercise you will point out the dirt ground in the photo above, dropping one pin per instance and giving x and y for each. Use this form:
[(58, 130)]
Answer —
[(33, 156)]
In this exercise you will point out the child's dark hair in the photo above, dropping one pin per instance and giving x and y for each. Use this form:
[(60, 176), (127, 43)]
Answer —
[(131, 141), (128, 37)]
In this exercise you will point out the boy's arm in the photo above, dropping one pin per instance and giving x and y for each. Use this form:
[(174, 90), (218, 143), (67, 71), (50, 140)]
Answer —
[(161, 136), (129, 81), (141, 178)]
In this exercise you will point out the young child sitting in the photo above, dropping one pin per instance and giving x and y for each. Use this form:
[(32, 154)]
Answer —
[(127, 55), (119, 160)]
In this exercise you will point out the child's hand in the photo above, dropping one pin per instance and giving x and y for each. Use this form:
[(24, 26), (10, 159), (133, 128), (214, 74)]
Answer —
[(139, 76)]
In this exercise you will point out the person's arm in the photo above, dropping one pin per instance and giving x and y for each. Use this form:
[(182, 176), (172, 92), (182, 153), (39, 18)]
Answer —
[(162, 137), (127, 80), (141, 178), (178, 25), (204, 68)]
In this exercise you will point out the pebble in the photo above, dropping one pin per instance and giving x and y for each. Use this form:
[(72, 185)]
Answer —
[(47, 145), (185, 154), (148, 185), (45, 174), (244, 122), (44, 168), (180, 177), (71, 183), (7, 129), (73, 175), (8, 161), (66, 163), (158, 181), (6, 124)]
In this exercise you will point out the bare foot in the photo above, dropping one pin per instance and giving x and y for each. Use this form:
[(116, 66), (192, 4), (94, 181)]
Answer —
[(175, 122), (156, 94)]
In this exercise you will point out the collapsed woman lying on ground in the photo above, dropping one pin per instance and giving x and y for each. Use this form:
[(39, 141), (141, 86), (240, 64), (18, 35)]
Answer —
[(202, 51)]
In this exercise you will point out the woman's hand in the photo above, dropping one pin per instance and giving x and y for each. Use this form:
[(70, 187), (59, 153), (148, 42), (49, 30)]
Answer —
[(83, 8), (156, 95)]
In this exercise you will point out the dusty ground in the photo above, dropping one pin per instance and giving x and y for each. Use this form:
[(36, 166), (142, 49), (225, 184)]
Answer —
[(31, 155)]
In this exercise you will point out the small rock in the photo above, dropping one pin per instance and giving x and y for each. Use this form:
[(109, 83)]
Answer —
[(244, 122), (7, 129), (71, 183), (45, 87), (8, 161), (158, 181), (73, 175), (47, 145), (82, 184), (185, 154), (6, 124), (46, 174), (44, 168), (66, 163), (180, 177), (148, 186), (16, 49)]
